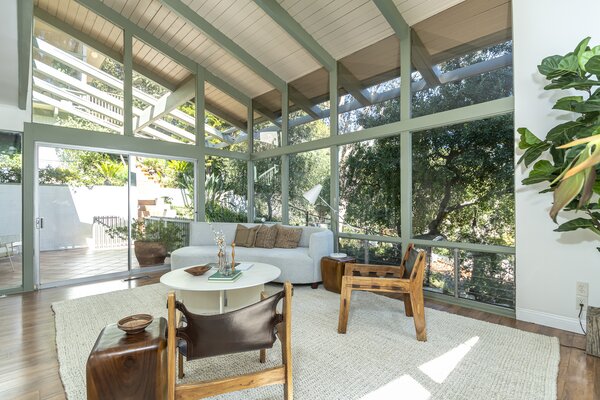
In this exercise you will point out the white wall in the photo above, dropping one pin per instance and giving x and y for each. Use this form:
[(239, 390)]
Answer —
[(548, 263)]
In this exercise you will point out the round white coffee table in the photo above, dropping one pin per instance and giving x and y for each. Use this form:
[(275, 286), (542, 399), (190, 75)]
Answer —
[(202, 296)]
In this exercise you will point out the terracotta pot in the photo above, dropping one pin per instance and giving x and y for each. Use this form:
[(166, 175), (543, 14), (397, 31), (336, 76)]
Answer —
[(149, 253)]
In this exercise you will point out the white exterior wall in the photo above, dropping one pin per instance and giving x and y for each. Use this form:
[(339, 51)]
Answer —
[(548, 263)]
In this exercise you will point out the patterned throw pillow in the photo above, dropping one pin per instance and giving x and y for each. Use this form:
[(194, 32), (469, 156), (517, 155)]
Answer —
[(244, 236), (266, 236), (287, 238)]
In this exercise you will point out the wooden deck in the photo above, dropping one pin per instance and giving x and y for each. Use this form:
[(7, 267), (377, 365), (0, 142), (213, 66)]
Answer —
[(62, 265)]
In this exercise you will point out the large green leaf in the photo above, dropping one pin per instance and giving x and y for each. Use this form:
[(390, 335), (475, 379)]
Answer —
[(564, 131), (528, 139), (580, 84), (543, 170), (549, 66), (566, 191), (577, 223), (586, 56), (590, 105), (582, 47), (533, 153), (567, 103), (593, 65)]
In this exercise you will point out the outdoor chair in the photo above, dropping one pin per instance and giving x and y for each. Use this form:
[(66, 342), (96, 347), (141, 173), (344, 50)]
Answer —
[(255, 327), (8, 243), (407, 279)]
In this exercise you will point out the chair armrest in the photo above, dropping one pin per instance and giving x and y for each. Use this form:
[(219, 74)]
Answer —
[(376, 284)]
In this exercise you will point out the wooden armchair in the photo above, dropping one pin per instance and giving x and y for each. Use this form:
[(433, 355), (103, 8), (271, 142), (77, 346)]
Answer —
[(255, 327), (406, 279)]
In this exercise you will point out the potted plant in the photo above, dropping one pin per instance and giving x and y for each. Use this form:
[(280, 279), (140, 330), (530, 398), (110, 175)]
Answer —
[(570, 151), (153, 239)]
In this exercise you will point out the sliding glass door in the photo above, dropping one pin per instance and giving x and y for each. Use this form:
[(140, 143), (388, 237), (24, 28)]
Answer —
[(108, 214)]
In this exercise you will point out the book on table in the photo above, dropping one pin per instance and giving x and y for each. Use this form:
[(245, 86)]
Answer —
[(219, 277)]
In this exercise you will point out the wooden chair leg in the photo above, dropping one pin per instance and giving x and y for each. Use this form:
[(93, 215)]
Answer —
[(407, 305), (345, 297), (286, 343), (180, 364), (263, 356), (418, 308)]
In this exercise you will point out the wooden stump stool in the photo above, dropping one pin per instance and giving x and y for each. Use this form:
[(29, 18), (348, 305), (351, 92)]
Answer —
[(593, 331), (123, 366)]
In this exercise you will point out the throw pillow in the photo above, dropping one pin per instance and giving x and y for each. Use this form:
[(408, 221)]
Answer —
[(266, 236), (244, 236), (287, 238)]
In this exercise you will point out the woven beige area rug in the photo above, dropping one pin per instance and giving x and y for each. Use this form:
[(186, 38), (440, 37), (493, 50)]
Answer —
[(379, 357)]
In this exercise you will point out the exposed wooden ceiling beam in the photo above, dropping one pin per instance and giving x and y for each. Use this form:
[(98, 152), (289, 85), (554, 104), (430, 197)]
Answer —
[(222, 40), (352, 85), (295, 30), (303, 102), (423, 62)]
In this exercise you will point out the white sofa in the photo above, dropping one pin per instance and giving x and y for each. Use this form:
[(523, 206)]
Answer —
[(299, 265)]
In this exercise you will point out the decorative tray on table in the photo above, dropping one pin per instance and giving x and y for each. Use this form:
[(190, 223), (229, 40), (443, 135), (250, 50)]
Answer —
[(197, 270)]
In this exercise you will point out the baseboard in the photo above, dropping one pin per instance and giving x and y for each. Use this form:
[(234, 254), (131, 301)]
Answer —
[(552, 320)]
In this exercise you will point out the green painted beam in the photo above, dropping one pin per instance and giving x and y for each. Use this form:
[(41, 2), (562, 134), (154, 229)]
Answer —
[(351, 83), (295, 30), (285, 159), (303, 103), (200, 176), (222, 40), (128, 84), (250, 165), (405, 138), (24, 33), (393, 17), (423, 62), (445, 118), (119, 20), (334, 163)]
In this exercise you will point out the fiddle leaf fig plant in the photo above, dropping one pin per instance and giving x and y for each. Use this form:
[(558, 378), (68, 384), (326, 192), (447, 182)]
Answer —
[(570, 152)]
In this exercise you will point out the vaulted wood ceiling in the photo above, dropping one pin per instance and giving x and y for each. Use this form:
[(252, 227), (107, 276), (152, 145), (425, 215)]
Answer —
[(353, 32)]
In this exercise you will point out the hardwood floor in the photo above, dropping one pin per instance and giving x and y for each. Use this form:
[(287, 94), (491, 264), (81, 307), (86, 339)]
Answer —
[(29, 366)]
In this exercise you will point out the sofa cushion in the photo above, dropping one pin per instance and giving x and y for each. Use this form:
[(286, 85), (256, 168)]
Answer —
[(287, 238), (244, 236), (266, 236)]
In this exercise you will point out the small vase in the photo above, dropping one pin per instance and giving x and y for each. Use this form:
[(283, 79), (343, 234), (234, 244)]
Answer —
[(222, 261)]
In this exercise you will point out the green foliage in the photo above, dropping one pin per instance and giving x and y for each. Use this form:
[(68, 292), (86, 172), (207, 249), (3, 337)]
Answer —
[(10, 168), (147, 230), (573, 146)]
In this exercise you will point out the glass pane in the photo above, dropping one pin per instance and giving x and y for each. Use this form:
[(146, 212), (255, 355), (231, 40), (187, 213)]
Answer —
[(75, 85), (463, 182), (309, 107), (267, 121), (488, 278), (461, 60), (11, 214), (267, 190), (307, 170), (439, 270), (369, 82), (162, 201), (385, 253), (225, 121), (354, 248), (82, 195), (226, 189), (370, 187), (161, 113)]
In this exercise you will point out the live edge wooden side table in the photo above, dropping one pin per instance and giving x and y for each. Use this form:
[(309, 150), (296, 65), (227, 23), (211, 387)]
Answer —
[(123, 366), (332, 270)]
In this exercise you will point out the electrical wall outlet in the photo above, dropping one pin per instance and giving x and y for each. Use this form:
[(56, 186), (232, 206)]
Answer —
[(581, 295), (582, 289)]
